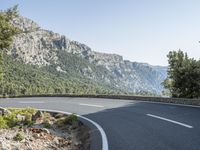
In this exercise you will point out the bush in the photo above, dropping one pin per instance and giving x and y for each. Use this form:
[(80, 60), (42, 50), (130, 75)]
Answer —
[(28, 122), (10, 120), (27, 112), (19, 137), (59, 115), (23, 111), (46, 124), (71, 119), (3, 123), (68, 120)]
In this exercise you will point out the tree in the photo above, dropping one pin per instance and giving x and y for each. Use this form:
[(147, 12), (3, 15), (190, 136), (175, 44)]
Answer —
[(7, 32), (183, 75), (1, 61)]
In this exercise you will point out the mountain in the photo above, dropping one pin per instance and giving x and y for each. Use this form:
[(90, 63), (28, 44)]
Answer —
[(25, 79), (52, 51)]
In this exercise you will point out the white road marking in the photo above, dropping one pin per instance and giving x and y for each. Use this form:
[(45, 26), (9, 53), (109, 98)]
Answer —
[(31, 102), (102, 132), (82, 104), (169, 120)]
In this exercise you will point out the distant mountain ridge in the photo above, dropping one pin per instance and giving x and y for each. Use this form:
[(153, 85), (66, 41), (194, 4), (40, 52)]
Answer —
[(45, 48)]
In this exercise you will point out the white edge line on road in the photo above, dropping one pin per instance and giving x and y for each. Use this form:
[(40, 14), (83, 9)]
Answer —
[(83, 104), (102, 132), (169, 120)]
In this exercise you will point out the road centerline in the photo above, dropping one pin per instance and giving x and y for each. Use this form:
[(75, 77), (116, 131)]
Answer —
[(169, 120), (90, 105)]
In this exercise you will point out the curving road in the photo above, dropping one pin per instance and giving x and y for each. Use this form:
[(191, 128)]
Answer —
[(129, 125)]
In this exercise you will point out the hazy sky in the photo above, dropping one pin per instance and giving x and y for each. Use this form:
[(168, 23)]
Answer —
[(142, 30)]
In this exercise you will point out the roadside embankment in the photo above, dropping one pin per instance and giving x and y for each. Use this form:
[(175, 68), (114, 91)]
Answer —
[(28, 128)]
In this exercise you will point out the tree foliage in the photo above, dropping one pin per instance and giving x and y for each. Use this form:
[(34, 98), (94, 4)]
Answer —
[(7, 32), (183, 75)]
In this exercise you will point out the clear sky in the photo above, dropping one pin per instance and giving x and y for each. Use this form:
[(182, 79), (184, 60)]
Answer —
[(139, 30)]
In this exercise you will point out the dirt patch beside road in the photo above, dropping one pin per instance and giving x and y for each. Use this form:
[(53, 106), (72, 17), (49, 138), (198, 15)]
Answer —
[(31, 129)]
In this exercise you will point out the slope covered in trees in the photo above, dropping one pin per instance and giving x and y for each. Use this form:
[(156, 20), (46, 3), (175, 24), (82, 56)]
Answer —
[(17, 78), (24, 79), (39, 61), (44, 47)]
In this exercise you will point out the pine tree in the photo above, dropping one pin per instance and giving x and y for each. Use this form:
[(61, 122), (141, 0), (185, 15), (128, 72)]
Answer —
[(7, 32)]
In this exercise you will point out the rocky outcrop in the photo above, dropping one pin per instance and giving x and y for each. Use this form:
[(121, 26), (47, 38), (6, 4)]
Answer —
[(61, 134), (38, 115), (40, 47), (4, 111)]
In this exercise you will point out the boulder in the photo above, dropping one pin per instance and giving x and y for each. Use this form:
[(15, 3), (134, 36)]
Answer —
[(4, 145), (4, 111), (38, 115), (20, 117), (56, 141), (15, 146)]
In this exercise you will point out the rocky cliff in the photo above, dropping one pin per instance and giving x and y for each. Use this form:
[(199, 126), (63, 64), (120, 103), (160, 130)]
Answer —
[(40, 47)]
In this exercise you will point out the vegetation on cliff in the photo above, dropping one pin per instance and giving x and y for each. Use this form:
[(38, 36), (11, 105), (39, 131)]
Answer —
[(24, 79)]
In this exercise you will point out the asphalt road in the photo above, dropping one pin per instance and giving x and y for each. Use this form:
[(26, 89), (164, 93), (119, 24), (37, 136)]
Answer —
[(130, 125)]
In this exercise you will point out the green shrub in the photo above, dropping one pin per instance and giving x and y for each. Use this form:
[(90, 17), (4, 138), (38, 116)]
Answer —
[(19, 137), (46, 124), (59, 115), (23, 111), (47, 115), (71, 119), (28, 121), (10, 120), (59, 122), (3, 123), (68, 120)]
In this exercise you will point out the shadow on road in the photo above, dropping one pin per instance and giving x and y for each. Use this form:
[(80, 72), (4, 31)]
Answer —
[(129, 128)]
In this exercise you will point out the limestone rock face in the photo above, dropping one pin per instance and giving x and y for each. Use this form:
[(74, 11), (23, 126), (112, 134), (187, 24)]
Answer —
[(25, 24), (40, 47)]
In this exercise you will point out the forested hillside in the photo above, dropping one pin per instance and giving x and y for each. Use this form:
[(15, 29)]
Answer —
[(39, 61), (24, 79), (44, 48)]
